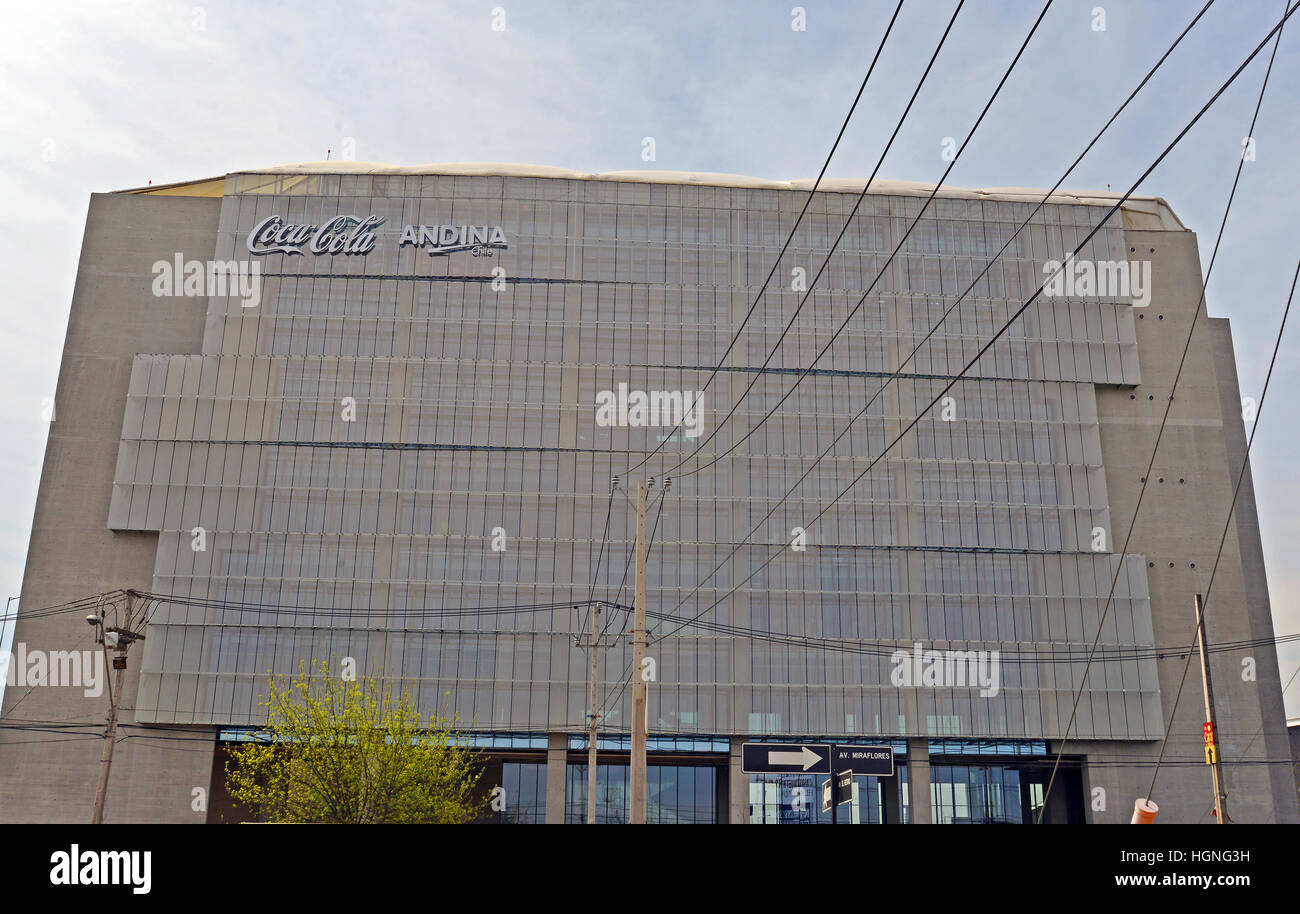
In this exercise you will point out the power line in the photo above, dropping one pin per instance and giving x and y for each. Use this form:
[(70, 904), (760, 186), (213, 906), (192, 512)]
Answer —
[(1169, 404), (867, 646), (888, 648), (1032, 658), (835, 244), (962, 297), (1227, 522), (604, 540), (1012, 658), (951, 383), (1260, 730), (294, 610), (38, 742), (848, 221), (948, 311), (793, 229), (77, 605), (879, 275), (623, 676), (628, 564), (38, 727)]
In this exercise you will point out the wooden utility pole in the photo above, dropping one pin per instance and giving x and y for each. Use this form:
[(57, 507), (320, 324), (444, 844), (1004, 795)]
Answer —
[(639, 786), (106, 757), (1211, 729), (124, 639), (594, 716)]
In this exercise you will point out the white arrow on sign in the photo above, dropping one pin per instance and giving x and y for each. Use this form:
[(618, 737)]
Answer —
[(804, 757)]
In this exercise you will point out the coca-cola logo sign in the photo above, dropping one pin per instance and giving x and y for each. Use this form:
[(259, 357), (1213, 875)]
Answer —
[(340, 235), (436, 240), (354, 235)]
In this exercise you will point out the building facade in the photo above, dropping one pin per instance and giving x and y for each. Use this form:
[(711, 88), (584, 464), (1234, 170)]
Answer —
[(374, 416)]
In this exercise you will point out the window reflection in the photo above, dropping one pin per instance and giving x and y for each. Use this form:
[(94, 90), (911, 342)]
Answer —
[(796, 799), (677, 794)]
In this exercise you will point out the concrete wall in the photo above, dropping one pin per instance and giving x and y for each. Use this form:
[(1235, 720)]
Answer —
[(1180, 522), (1293, 733), (73, 554)]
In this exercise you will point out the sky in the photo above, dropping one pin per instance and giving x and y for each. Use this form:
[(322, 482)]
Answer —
[(99, 97)]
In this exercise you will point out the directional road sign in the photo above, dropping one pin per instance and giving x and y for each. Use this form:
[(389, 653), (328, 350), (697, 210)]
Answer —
[(843, 790), (785, 758), (877, 760)]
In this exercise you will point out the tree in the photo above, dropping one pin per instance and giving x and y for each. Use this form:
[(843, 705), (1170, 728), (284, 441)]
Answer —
[(351, 752)]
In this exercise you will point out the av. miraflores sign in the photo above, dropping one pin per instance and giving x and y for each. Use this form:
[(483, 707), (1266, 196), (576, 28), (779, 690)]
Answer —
[(354, 235)]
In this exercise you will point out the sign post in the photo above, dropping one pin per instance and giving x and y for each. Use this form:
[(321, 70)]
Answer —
[(836, 791)]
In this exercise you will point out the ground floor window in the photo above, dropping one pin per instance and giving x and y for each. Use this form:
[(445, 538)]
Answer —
[(796, 799), (676, 794), (522, 797), (983, 794), (969, 782)]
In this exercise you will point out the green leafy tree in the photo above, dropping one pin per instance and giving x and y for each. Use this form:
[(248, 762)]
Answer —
[(350, 751)]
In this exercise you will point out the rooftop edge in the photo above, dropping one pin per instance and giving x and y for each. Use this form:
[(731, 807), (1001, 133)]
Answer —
[(1155, 208)]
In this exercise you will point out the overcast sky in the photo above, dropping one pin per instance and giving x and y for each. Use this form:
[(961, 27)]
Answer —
[(102, 96)]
